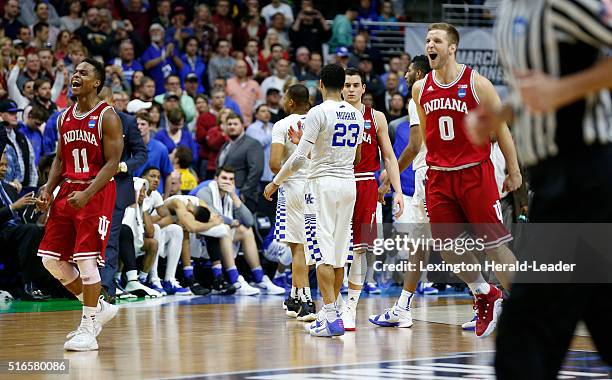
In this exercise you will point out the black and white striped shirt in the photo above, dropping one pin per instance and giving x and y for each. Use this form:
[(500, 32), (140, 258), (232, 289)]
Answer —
[(558, 37)]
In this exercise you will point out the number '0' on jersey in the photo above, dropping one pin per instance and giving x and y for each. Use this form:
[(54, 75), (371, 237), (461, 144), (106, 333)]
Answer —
[(81, 142), (446, 106)]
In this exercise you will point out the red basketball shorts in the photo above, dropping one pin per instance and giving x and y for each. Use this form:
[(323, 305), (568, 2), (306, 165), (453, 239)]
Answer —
[(466, 201), (364, 215), (72, 235)]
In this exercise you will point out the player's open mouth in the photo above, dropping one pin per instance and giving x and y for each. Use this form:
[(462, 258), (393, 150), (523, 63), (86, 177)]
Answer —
[(75, 84), (433, 56)]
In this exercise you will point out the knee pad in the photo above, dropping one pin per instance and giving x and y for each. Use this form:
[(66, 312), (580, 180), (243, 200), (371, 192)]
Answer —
[(89, 271), (63, 271), (358, 270)]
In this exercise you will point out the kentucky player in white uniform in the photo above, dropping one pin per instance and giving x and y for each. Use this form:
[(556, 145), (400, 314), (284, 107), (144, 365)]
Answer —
[(331, 136), (289, 225)]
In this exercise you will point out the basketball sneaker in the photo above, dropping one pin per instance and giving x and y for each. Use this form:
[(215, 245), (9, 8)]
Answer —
[(222, 287), (267, 287), (348, 317), (371, 288), (470, 325), (281, 281), (106, 313), (488, 308), (139, 290), (308, 312), (292, 307), (322, 327), (84, 338), (426, 288), (157, 286), (198, 289), (174, 287), (244, 289), (395, 316)]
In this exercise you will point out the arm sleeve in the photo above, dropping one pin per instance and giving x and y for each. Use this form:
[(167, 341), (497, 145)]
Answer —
[(413, 113), (188, 107), (13, 89), (58, 86), (137, 146), (295, 162), (255, 163), (244, 215)]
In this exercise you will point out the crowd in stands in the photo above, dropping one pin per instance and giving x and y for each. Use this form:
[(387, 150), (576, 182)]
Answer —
[(205, 82)]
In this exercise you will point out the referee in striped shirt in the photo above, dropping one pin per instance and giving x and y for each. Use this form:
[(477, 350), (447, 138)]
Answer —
[(554, 56)]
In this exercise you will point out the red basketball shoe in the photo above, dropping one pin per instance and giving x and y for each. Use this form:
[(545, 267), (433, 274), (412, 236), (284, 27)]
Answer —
[(488, 308)]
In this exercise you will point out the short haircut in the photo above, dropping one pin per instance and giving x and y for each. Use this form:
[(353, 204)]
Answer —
[(39, 26), (275, 45), (225, 168), (353, 71), (39, 82), (421, 63), (219, 42), (233, 115), (184, 156), (39, 113), (144, 115), (172, 76), (299, 94), (175, 116), (202, 214), (332, 76), (451, 31), (99, 70), (148, 169)]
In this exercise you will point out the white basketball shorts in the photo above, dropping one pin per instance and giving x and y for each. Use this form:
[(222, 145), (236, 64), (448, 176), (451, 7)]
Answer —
[(289, 223), (328, 211)]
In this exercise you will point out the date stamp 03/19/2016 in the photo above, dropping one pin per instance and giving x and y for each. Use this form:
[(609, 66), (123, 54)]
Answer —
[(51, 366)]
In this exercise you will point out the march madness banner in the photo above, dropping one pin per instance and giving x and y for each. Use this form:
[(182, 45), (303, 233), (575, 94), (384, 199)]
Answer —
[(477, 49)]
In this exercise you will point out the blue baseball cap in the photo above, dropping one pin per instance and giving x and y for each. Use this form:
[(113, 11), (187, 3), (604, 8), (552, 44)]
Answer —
[(9, 106), (342, 51)]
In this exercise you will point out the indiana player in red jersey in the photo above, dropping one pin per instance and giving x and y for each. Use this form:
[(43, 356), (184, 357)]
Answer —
[(88, 153), (375, 137), (460, 185)]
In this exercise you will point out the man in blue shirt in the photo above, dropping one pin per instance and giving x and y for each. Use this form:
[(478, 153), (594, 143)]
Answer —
[(157, 154), (126, 60), (31, 130), (159, 60)]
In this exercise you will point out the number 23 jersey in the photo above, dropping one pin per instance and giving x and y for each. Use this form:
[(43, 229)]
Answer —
[(335, 128), (81, 142), (446, 106)]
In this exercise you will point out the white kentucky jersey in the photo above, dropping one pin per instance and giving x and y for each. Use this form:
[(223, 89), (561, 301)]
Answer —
[(419, 160), (335, 128), (280, 135)]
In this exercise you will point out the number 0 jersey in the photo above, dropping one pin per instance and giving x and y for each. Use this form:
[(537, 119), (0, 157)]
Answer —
[(446, 106), (81, 142), (335, 129)]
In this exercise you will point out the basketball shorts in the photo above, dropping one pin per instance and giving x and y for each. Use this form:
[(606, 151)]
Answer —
[(72, 235), (364, 215), (415, 221), (466, 201), (289, 222), (328, 212)]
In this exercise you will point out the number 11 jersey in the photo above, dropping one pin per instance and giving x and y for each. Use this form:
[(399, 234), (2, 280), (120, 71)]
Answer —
[(81, 141), (446, 106), (335, 128)]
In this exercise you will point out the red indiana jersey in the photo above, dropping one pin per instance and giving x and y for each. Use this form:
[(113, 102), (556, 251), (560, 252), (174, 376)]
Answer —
[(81, 139), (445, 108), (370, 159)]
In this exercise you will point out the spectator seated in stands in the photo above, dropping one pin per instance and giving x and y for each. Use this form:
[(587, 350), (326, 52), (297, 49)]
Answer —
[(183, 158), (221, 197), (20, 236), (177, 134)]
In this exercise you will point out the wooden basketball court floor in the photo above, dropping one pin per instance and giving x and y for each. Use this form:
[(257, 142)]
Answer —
[(250, 337)]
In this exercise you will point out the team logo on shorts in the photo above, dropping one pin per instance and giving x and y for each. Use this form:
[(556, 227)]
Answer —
[(309, 199), (91, 124), (103, 225)]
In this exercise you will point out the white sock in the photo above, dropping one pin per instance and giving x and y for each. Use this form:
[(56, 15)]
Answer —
[(405, 299), (278, 274), (331, 313), (143, 276), (353, 296), (132, 275), (479, 287), (80, 297), (306, 293), (340, 301), (293, 290), (89, 314)]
